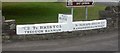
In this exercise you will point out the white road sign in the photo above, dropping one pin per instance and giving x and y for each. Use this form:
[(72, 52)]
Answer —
[(79, 3)]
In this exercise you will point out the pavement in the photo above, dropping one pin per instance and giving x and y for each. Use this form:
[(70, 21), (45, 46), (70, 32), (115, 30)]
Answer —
[(92, 42)]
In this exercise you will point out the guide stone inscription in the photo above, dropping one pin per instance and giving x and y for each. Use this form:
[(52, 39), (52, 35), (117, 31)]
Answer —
[(65, 26)]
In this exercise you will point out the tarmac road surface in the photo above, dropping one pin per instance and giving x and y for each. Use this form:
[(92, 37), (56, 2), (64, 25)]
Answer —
[(95, 42)]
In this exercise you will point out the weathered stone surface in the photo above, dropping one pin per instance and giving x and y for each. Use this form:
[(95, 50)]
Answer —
[(109, 12), (8, 27), (112, 24)]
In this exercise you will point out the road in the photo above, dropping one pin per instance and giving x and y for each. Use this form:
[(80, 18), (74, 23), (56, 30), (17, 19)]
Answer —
[(95, 42)]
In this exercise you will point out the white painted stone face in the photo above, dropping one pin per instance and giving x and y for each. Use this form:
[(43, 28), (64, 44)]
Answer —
[(65, 18), (65, 24), (60, 27)]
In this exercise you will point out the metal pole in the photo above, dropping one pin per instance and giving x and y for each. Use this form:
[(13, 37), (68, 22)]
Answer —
[(72, 11), (86, 14)]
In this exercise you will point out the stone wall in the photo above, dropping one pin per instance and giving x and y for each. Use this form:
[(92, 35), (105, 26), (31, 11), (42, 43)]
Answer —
[(8, 27), (112, 24)]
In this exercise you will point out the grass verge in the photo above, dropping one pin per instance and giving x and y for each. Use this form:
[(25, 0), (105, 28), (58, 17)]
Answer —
[(43, 12)]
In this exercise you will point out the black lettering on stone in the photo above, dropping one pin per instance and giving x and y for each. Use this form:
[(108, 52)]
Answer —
[(45, 30), (41, 27), (34, 28), (30, 32), (54, 30), (80, 24), (26, 31), (41, 30), (51, 30), (73, 28), (60, 26), (48, 31), (59, 29), (53, 26), (45, 27), (26, 28), (35, 31), (57, 26), (99, 23), (76, 25), (50, 26)]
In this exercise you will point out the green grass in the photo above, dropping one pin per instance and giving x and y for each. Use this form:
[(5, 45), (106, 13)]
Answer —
[(28, 13)]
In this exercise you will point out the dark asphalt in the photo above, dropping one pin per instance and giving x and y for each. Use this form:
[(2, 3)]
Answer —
[(95, 42)]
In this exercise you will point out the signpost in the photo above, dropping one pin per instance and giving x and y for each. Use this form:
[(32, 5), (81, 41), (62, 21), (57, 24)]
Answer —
[(86, 12), (72, 11), (80, 3)]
